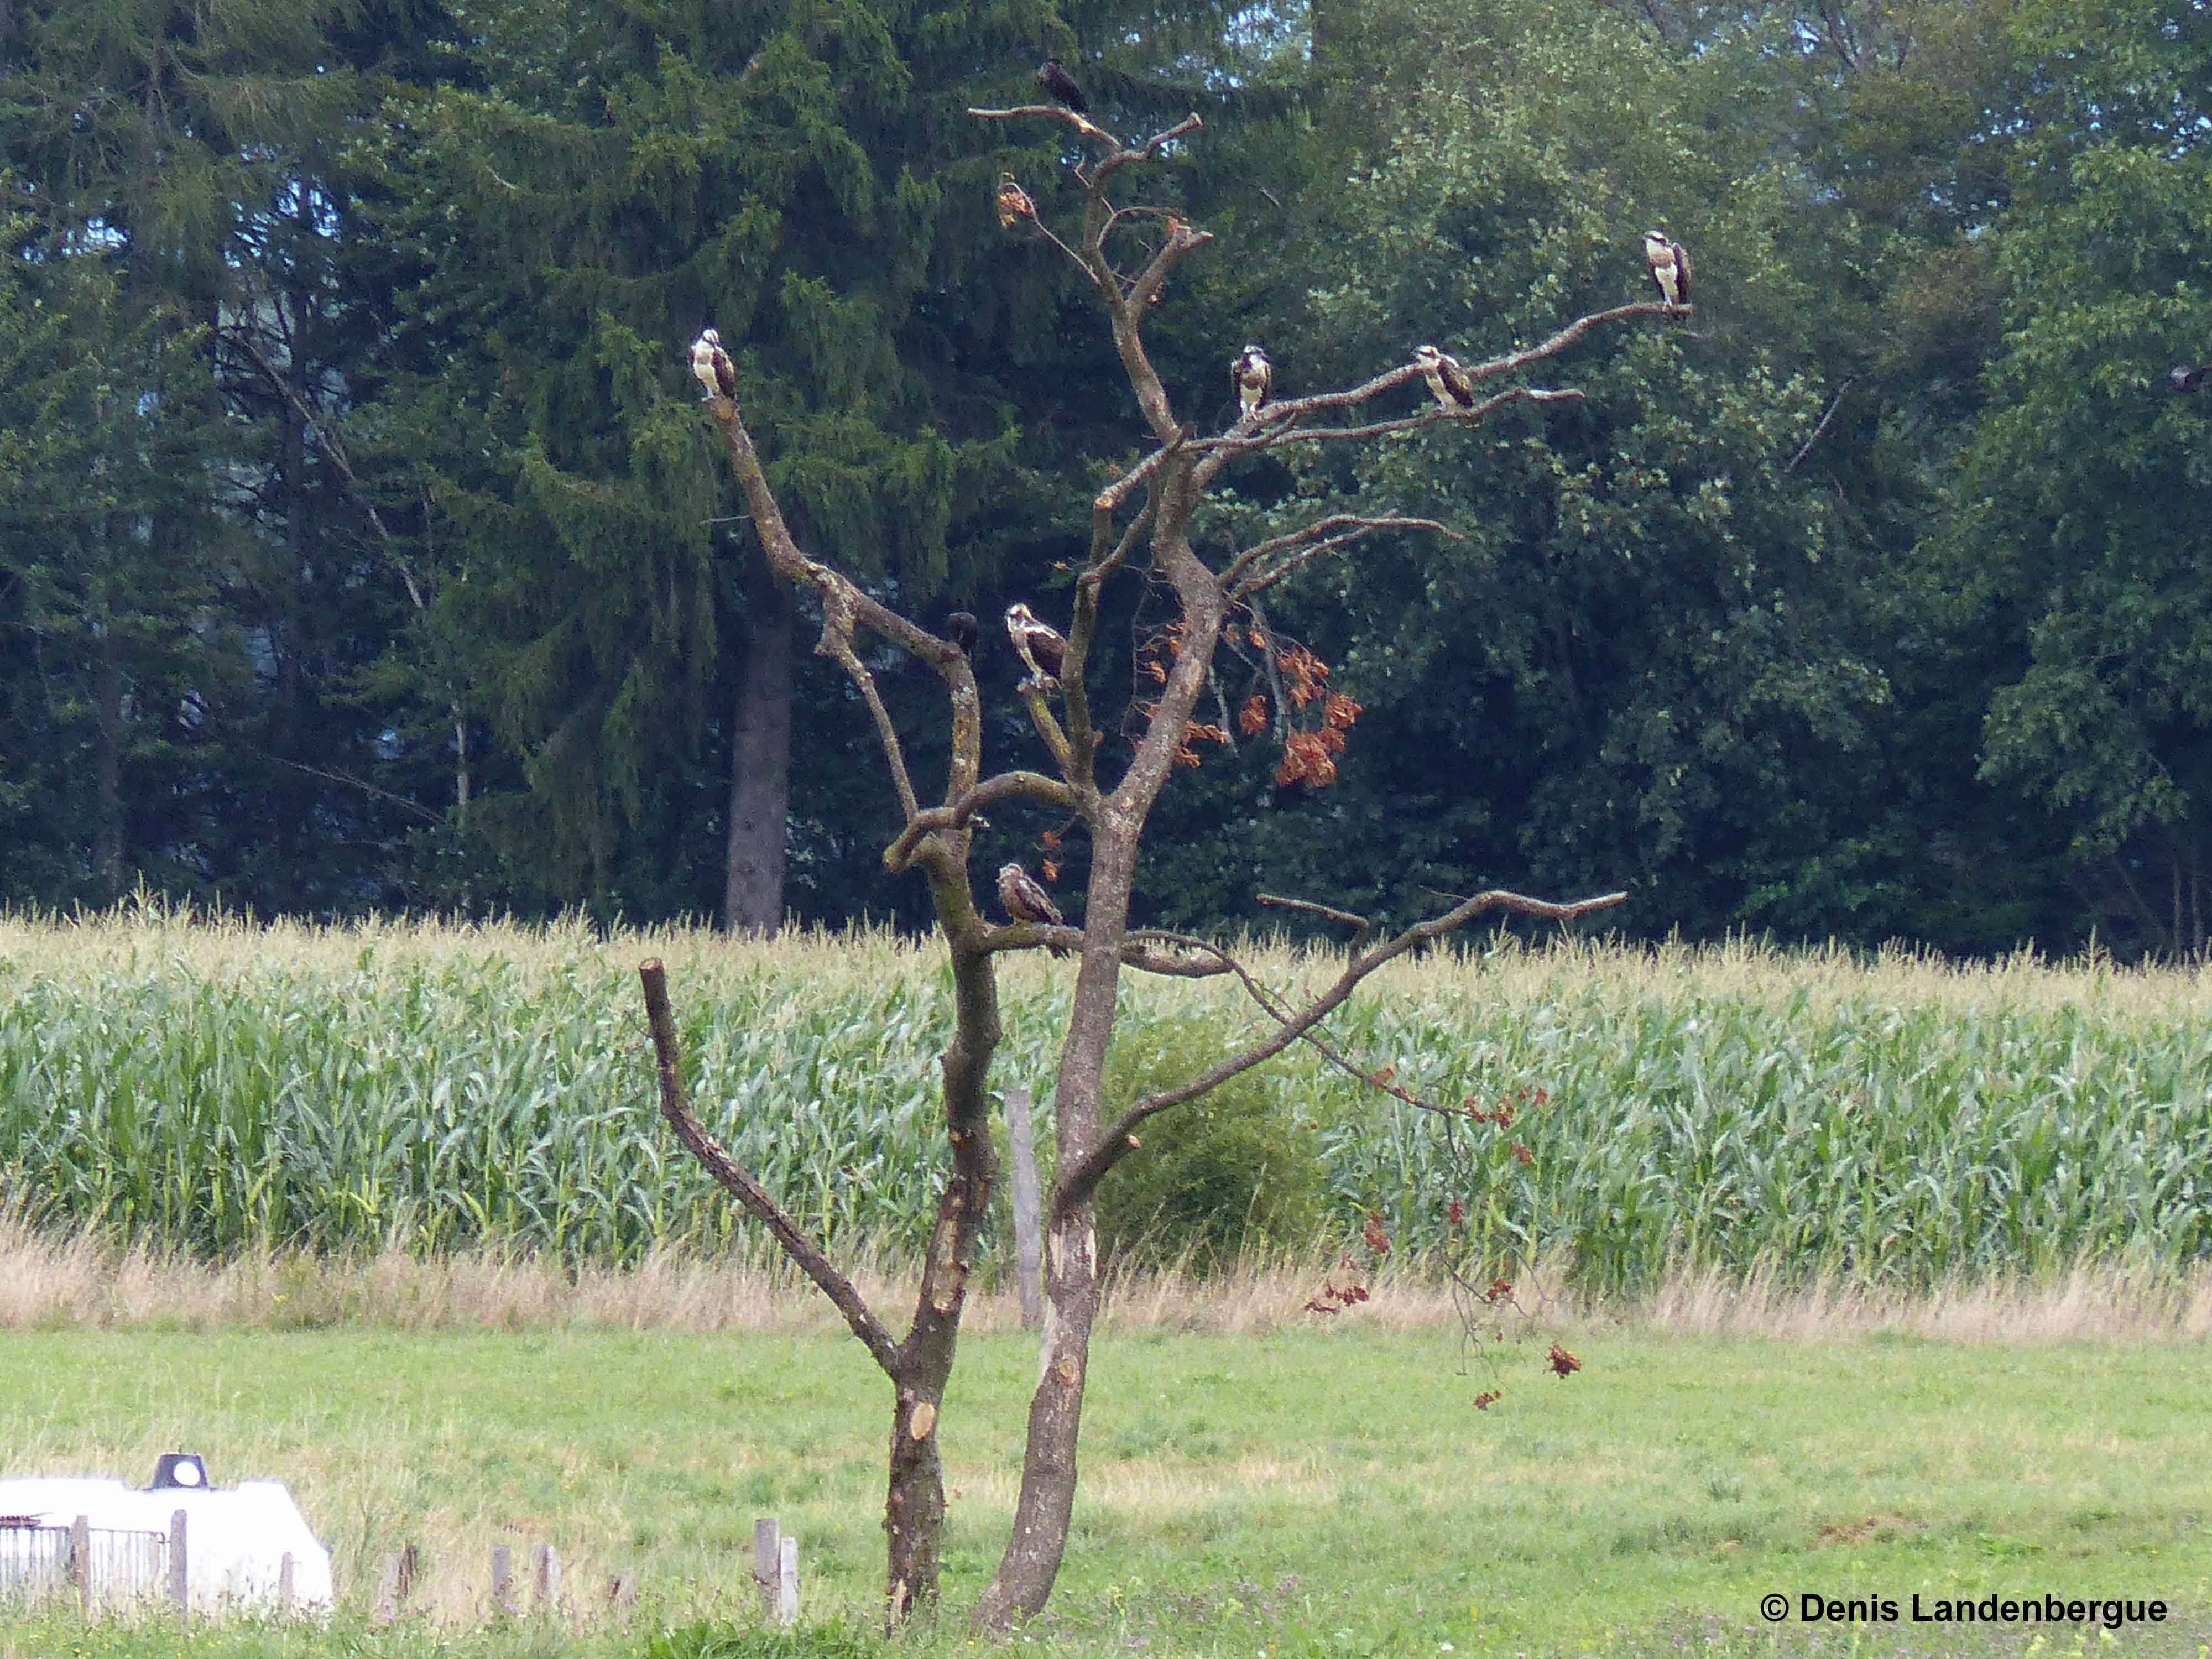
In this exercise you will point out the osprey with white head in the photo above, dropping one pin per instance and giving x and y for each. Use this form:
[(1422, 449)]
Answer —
[(712, 367), (1448, 381), (1253, 374)]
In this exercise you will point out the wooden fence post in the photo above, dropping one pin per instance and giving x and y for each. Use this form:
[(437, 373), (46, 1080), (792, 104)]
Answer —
[(767, 1558), (547, 1573), (80, 1561), (1022, 1150), (787, 1580), (285, 1582), (181, 1582), (502, 1579), (621, 1594), (396, 1583)]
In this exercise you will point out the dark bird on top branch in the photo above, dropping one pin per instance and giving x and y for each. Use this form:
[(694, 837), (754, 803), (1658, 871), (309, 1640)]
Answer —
[(1040, 646), (1448, 381), (1670, 267), (1061, 85), (1024, 901), (711, 366), (1253, 374), (960, 628)]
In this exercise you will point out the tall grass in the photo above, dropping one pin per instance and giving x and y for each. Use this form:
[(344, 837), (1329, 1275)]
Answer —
[(216, 1087)]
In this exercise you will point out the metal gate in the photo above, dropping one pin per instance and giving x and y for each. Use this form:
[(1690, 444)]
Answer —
[(101, 1565), (34, 1560)]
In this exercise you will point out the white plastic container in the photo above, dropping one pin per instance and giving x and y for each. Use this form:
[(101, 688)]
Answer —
[(236, 1537)]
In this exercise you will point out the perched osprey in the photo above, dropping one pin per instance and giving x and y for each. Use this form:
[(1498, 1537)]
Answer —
[(1014, 203), (1061, 85), (2188, 377), (1253, 373), (960, 628), (1446, 380), (1041, 649), (711, 366), (1024, 901), (1670, 267)]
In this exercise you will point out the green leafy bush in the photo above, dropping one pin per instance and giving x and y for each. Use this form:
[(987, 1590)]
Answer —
[(1234, 1170)]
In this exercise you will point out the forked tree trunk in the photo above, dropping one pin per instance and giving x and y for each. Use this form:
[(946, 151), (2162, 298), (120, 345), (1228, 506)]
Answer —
[(1046, 1505), (760, 759)]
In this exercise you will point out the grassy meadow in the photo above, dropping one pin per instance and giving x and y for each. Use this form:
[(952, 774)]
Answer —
[(218, 1087), (1887, 1276), (1305, 1491)]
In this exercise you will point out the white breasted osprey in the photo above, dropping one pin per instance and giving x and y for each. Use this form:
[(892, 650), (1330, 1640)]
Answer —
[(1253, 374), (1670, 267), (1448, 381), (1039, 647), (1061, 85), (1024, 901), (712, 367)]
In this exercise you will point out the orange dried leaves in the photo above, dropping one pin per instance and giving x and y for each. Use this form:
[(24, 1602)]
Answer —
[(1014, 203)]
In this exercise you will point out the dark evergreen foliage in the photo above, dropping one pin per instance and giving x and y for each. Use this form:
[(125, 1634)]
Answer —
[(362, 546)]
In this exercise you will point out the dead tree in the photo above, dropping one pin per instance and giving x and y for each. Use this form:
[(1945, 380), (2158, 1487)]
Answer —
[(1140, 522)]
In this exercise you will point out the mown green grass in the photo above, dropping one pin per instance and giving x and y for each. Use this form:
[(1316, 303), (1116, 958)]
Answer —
[(1310, 1491), (216, 1087)]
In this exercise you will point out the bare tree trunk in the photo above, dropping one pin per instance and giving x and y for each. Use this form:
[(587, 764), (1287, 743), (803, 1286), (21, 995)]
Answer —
[(913, 1507), (760, 758), (108, 768), (1046, 1505)]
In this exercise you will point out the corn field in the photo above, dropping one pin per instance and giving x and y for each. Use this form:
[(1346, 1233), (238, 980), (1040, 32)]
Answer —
[(209, 1086)]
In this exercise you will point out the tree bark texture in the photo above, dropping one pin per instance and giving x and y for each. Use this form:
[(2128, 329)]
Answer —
[(108, 768), (760, 758)]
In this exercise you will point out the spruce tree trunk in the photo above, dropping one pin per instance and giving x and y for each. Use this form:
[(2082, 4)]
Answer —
[(107, 770), (760, 758)]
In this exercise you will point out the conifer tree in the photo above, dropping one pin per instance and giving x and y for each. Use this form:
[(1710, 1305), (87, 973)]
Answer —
[(176, 161)]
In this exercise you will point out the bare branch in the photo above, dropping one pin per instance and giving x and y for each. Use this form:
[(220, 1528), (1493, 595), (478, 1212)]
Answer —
[(1033, 699), (1834, 404), (1181, 242), (676, 1106), (1314, 540), (1325, 912), (846, 607), (1007, 785), (1147, 151), (1066, 117), (1432, 417), (1108, 555), (1124, 310), (1077, 1184), (338, 457), (1278, 424), (362, 784), (1571, 334)]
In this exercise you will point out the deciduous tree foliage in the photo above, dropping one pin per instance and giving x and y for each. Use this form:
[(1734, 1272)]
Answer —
[(1642, 662), (2075, 527)]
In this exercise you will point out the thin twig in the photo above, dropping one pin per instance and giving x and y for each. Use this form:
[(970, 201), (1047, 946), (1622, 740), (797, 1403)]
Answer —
[(1078, 1183), (1834, 403)]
